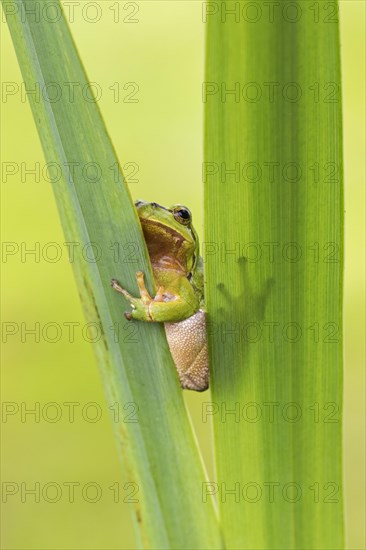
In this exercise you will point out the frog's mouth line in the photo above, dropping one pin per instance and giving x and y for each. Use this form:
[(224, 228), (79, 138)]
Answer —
[(164, 228)]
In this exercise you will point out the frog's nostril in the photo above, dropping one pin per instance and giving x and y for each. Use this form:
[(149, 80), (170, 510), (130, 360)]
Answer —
[(154, 204), (138, 202)]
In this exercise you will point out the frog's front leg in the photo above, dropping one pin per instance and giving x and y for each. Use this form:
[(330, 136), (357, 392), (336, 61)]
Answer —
[(164, 307), (140, 305)]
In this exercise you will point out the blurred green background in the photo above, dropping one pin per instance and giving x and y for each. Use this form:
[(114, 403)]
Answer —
[(158, 46)]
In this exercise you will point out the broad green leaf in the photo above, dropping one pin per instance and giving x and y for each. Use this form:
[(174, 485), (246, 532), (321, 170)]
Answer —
[(159, 450), (274, 260)]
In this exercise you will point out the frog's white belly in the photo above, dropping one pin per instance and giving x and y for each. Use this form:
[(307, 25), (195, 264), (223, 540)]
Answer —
[(188, 345)]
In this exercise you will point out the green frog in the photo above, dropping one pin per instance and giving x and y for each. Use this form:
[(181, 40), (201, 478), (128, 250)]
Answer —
[(173, 247)]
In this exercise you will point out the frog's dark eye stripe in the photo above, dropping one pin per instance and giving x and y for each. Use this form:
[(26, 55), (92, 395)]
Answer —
[(182, 215)]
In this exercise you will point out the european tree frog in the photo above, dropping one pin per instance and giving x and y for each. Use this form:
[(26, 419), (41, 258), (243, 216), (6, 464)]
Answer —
[(173, 247)]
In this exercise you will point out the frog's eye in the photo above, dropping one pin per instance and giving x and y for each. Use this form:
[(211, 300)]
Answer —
[(182, 215)]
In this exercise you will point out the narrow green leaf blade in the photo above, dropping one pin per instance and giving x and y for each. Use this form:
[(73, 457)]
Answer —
[(274, 239), (159, 451)]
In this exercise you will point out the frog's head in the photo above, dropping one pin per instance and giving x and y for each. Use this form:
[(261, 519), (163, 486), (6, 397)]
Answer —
[(169, 235)]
